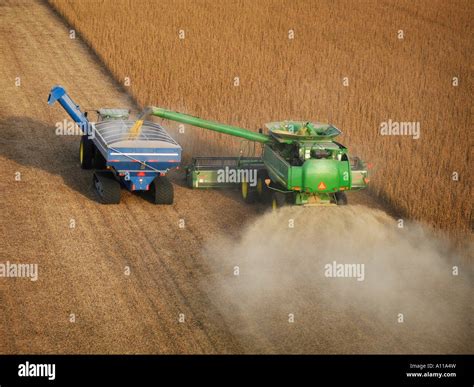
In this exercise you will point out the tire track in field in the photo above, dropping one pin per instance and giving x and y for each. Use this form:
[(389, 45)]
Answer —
[(173, 264)]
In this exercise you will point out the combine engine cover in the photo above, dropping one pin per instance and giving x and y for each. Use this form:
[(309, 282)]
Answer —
[(326, 176)]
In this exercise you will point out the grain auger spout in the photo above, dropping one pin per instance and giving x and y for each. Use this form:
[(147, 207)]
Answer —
[(58, 93), (211, 125)]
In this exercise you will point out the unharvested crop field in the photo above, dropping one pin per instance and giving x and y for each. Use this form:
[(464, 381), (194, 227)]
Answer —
[(185, 55)]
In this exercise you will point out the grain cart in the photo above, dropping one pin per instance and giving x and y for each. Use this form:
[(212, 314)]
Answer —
[(134, 154), (300, 163)]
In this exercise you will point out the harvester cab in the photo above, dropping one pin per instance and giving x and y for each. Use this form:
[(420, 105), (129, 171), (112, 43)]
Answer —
[(298, 141)]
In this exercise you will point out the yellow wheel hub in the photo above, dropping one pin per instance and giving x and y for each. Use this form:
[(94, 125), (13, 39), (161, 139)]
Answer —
[(81, 152), (274, 204), (245, 189)]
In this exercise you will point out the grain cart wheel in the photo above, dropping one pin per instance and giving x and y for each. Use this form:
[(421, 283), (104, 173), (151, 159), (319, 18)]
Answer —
[(341, 198), (99, 161), (249, 194), (107, 187), (86, 152), (162, 190)]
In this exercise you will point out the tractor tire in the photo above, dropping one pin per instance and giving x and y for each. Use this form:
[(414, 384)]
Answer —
[(249, 195), (263, 192), (278, 200), (99, 160), (162, 191), (188, 177), (107, 187), (86, 153), (290, 198), (341, 198), (274, 202)]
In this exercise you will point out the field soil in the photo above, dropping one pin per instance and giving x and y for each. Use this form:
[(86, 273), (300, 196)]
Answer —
[(127, 278)]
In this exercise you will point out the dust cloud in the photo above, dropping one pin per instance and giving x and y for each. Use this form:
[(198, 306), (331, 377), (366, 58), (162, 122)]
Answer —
[(272, 289)]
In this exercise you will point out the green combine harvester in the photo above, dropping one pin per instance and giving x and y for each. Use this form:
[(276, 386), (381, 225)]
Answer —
[(300, 163)]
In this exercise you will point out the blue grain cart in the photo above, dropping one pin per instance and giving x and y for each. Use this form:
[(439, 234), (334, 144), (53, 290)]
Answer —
[(135, 154)]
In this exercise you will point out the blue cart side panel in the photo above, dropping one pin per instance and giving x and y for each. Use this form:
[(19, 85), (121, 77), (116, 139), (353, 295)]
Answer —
[(136, 176), (131, 159)]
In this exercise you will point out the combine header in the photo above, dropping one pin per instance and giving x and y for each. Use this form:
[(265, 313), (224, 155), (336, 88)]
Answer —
[(135, 154), (300, 163)]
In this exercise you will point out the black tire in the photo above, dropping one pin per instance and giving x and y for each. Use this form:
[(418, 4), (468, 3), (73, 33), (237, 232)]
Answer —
[(86, 153), (290, 198), (107, 187), (278, 200), (99, 160), (264, 193), (162, 191), (249, 194), (341, 198), (188, 176)]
